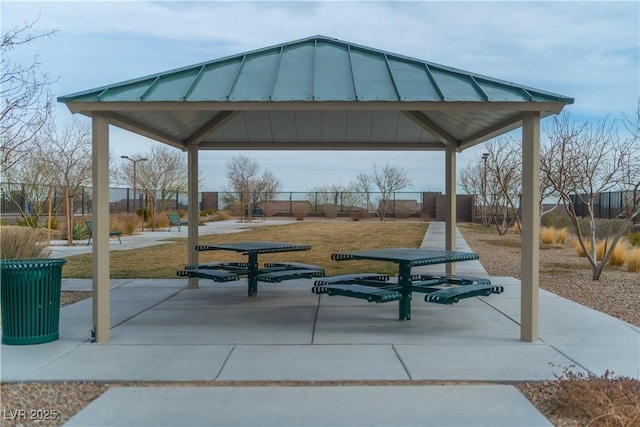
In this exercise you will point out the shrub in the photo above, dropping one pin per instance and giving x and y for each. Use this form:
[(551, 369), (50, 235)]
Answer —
[(632, 259), (127, 223), (22, 242), (562, 235), (222, 216), (579, 250), (28, 221), (79, 231), (618, 255), (516, 229), (358, 214), (605, 400), (55, 223), (330, 210), (547, 235), (634, 238)]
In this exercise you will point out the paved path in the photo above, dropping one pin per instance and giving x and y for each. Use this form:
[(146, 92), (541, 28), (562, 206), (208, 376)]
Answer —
[(162, 331)]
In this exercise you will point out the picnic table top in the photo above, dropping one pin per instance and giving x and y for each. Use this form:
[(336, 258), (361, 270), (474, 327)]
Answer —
[(258, 247), (411, 256)]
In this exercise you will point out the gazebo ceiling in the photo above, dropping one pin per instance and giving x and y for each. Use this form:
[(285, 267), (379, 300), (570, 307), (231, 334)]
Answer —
[(317, 93)]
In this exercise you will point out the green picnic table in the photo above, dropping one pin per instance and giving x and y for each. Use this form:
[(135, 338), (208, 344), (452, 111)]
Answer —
[(271, 272), (373, 287)]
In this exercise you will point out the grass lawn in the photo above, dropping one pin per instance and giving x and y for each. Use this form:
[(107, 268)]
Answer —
[(162, 261)]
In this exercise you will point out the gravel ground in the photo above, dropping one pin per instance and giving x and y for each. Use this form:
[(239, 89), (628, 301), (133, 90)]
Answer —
[(562, 272)]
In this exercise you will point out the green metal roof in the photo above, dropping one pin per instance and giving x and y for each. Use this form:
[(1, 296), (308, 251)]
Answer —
[(317, 93), (315, 69)]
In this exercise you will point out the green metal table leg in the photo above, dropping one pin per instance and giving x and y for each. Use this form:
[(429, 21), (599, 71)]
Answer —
[(252, 276), (404, 280)]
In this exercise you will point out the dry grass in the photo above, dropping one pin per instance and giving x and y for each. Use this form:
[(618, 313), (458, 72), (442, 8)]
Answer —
[(588, 400), (619, 254), (632, 259), (128, 223), (22, 242), (325, 238)]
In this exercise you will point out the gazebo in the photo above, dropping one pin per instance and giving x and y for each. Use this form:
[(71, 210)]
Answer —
[(317, 93)]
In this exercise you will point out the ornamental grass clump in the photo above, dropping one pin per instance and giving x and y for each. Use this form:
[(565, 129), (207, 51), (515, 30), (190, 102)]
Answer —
[(632, 259), (22, 243), (552, 235), (619, 253)]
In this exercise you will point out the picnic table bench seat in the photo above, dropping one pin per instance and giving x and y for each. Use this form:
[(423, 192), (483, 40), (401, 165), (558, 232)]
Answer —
[(453, 294), (215, 275), (426, 279), (372, 287)]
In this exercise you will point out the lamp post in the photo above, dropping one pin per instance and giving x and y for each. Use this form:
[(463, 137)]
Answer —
[(135, 162), (485, 156)]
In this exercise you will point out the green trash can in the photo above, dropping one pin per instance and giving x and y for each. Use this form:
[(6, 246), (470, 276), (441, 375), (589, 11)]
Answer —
[(30, 300)]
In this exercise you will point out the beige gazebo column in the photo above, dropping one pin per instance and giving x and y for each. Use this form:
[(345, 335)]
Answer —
[(100, 209), (450, 189), (530, 227), (192, 212)]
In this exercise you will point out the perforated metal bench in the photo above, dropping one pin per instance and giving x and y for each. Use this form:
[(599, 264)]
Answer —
[(453, 294), (215, 275)]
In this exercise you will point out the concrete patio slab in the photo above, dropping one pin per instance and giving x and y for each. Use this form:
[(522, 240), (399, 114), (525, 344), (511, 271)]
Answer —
[(483, 362), (475, 405), (136, 363), (313, 363)]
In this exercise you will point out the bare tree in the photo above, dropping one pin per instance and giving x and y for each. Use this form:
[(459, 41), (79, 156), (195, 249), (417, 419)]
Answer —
[(249, 185), (584, 160), (26, 100), (68, 151), (386, 180), (497, 180), (160, 178)]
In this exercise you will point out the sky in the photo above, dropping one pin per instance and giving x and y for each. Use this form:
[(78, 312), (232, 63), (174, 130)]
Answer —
[(587, 50)]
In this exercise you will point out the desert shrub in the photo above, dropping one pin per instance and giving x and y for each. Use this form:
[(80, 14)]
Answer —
[(358, 214), (79, 231), (269, 208), (28, 221), (160, 220), (605, 400), (127, 223), (329, 210), (222, 216), (562, 235), (425, 216), (551, 235), (403, 211), (55, 223), (203, 213), (547, 235), (300, 210), (634, 238), (579, 250), (618, 255), (632, 259), (22, 242)]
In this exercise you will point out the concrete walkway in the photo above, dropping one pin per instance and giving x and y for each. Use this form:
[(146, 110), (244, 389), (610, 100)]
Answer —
[(162, 331)]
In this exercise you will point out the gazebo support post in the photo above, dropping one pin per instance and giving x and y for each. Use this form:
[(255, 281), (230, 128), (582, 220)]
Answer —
[(450, 189), (100, 189), (192, 211), (530, 260)]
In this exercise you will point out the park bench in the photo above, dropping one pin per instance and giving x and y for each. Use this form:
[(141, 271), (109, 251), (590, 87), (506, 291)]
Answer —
[(112, 233), (176, 220)]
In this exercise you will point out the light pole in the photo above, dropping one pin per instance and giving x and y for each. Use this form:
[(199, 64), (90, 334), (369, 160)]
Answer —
[(485, 156), (135, 162)]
